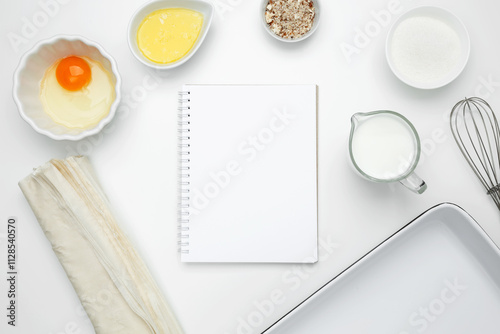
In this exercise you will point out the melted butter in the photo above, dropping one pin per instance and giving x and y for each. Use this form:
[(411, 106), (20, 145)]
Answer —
[(78, 109), (167, 35)]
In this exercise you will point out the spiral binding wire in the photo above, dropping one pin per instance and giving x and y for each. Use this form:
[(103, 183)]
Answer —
[(184, 137)]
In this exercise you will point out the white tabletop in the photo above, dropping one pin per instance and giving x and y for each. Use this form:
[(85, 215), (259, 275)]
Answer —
[(135, 158)]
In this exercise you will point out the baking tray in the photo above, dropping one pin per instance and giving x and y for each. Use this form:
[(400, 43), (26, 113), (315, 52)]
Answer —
[(438, 274)]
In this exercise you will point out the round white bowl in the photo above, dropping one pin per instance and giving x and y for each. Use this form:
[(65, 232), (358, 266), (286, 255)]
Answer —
[(452, 22), (204, 7), (263, 6), (31, 70)]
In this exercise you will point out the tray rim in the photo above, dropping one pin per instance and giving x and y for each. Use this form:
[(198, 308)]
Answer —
[(380, 245)]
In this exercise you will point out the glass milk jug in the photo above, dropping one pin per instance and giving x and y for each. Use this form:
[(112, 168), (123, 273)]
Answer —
[(385, 147)]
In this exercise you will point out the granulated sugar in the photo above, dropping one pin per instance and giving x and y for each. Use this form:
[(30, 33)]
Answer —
[(425, 49)]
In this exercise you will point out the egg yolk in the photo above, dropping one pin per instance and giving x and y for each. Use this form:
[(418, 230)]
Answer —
[(73, 73)]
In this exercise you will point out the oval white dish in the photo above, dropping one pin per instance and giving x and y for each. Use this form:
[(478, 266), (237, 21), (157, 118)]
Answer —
[(204, 7)]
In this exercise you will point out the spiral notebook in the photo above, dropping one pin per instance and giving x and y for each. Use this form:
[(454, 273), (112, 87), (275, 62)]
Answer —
[(248, 173)]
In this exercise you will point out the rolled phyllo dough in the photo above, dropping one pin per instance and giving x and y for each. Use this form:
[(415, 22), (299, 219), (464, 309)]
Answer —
[(111, 280)]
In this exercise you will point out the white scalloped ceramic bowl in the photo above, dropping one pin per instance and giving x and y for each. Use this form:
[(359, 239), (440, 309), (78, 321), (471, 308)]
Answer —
[(204, 7), (31, 70)]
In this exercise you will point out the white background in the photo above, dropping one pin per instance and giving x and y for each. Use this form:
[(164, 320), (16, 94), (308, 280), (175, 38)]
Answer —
[(135, 158)]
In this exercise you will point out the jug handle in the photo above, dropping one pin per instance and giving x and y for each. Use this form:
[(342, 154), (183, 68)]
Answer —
[(414, 183)]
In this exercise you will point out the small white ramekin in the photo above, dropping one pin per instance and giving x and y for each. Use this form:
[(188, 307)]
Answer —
[(315, 24), (31, 70)]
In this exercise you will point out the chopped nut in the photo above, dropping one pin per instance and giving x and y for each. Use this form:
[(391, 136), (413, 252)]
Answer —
[(290, 18)]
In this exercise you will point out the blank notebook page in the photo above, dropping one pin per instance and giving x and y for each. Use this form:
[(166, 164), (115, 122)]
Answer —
[(249, 191)]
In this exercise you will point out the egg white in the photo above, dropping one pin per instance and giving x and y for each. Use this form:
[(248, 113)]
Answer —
[(81, 109)]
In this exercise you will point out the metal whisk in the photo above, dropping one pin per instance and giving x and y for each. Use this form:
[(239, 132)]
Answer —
[(476, 131)]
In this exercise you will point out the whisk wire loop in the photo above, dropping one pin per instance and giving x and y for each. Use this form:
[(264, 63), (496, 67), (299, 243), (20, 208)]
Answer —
[(475, 129), (486, 157)]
